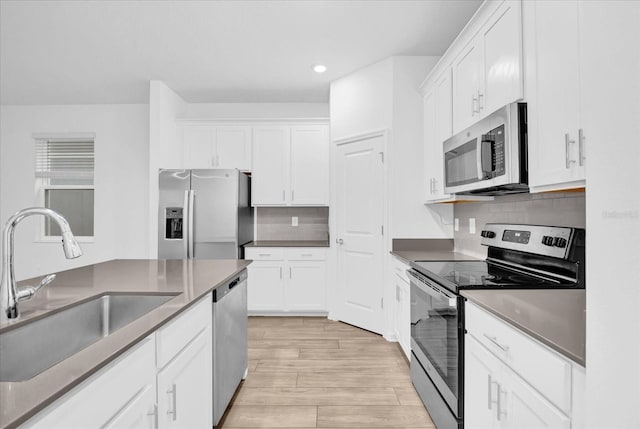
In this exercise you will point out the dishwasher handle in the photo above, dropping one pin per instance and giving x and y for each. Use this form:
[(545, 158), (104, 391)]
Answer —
[(234, 283)]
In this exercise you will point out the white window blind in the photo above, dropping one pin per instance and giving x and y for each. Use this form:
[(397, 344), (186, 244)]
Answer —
[(65, 158)]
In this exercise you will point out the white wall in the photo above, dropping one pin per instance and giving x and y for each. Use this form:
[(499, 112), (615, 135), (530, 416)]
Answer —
[(121, 173), (386, 96), (362, 101), (165, 149), (611, 121), (408, 184)]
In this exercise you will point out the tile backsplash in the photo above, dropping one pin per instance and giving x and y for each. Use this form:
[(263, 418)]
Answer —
[(559, 209), (274, 223)]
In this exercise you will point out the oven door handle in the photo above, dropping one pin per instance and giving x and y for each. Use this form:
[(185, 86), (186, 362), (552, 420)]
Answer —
[(432, 289)]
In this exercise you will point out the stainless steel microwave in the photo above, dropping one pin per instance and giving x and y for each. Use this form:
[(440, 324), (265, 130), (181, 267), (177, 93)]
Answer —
[(489, 157)]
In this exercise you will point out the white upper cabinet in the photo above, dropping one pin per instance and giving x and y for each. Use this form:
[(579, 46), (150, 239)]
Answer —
[(310, 165), (233, 147), (552, 46), (487, 73), (270, 178), (208, 146), (291, 166)]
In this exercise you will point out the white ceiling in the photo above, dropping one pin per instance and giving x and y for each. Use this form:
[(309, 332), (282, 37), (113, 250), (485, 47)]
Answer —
[(76, 52)]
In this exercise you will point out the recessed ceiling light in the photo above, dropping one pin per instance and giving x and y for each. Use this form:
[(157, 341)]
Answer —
[(319, 68)]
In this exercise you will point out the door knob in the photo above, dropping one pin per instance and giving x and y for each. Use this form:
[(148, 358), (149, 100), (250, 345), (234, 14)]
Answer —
[(340, 241)]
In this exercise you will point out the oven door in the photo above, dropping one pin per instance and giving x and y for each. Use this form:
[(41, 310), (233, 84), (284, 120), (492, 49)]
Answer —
[(437, 335)]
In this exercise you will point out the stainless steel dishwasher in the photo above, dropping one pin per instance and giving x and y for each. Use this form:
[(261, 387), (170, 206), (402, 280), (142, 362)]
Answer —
[(229, 341)]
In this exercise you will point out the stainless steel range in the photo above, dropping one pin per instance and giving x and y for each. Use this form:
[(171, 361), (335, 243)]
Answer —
[(519, 257)]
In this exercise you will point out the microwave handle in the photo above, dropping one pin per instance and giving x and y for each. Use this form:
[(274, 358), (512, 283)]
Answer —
[(482, 146)]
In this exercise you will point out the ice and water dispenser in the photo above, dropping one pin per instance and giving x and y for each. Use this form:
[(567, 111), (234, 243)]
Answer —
[(173, 218)]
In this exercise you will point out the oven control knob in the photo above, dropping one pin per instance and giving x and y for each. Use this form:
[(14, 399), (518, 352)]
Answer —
[(547, 240), (488, 234), (560, 242)]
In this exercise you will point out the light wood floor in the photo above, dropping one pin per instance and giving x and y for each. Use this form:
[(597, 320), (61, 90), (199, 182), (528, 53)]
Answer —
[(316, 373)]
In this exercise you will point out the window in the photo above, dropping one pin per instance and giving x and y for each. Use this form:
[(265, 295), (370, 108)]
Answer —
[(64, 174)]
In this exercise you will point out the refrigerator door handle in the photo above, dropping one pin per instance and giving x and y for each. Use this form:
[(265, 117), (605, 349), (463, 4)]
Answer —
[(192, 201), (186, 224)]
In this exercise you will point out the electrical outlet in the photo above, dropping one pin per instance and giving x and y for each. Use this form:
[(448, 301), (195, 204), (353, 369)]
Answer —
[(456, 224), (294, 220), (472, 225)]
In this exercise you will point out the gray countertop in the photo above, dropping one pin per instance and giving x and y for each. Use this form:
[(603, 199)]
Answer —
[(288, 243), (554, 317), (191, 279), (431, 255)]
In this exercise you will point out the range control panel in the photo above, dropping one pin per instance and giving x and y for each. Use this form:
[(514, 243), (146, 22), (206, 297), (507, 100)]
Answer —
[(551, 241)]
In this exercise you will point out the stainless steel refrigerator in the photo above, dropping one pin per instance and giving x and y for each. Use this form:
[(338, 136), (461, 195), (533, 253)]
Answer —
[(204, 214)]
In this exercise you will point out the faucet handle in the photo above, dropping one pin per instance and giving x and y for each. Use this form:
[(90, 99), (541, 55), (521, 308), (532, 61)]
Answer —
[(29, 292)]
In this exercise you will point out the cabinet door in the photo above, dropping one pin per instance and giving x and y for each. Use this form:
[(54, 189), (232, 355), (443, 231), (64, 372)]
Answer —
[(199, 150), (141, 412), (403, 315), (265, 287), (525, 408), (270, 166), (306, 286), (481, 386), (233, 148), (467, 77), (115, 393), (185, 386), (553, 91), (502, 58), (443, 130), (429, 140), (310, 165)]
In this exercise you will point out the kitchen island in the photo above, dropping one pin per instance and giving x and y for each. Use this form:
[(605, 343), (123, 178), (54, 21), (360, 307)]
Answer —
[(189, 280)]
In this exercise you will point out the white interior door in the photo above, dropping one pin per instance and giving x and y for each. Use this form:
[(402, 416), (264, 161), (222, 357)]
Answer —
[(359, 216)]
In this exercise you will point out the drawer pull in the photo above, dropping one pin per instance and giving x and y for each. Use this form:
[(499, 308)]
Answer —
[(264, 254), (307, 254), (494, 340)]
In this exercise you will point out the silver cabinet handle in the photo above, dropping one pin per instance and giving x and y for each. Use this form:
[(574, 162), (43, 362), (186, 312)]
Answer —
[(340, 241), (292, 199), (283, 195), (490, 384), (580, 147), (500, 412), (154, 414), (480, 97), (435, 185), (173, 412), (264, 254), (474, 100), (308, 255), (280, 273), (494, 340), (289, 272), (567, 149), (431, 186)]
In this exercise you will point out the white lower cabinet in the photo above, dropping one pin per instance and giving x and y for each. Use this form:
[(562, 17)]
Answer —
[(184, 384), (402, 309), (511, 381), (286, 280), (132, 392)]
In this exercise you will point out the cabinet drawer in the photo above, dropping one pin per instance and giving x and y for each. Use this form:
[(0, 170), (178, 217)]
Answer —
[(264, 253), (541, 367), (178, 333), (306, 254)]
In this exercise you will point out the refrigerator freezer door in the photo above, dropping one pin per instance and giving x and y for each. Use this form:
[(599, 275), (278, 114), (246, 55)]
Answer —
[(215, 209), (173, 213)]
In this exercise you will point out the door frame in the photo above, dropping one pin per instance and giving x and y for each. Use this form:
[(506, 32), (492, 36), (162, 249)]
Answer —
[(333, 295)]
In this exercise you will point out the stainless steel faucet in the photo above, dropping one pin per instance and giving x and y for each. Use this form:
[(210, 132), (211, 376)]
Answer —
[(9, 294)]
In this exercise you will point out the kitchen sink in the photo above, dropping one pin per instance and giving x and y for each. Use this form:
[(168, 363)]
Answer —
[(36, 346)]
